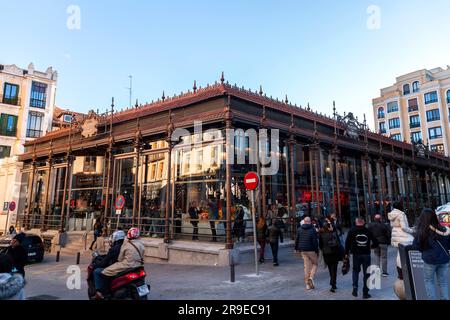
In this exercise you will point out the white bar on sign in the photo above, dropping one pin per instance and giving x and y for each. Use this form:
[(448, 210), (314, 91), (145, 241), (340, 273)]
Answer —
[(251, 180)]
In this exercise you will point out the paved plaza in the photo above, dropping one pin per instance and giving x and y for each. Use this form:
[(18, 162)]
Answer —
[(48, 281)]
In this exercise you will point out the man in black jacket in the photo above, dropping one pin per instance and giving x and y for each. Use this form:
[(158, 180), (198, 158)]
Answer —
[(308, 244), (18, 253), (382, 232), (275, 236), (359, 242)]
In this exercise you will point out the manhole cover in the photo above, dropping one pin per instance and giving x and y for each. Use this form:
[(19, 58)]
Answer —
[(43, 297)]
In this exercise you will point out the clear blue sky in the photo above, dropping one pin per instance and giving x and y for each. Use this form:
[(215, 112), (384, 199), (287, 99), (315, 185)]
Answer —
[(314, 51)]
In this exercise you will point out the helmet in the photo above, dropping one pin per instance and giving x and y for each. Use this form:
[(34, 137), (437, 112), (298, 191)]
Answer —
[(118, 235), (133, 233)]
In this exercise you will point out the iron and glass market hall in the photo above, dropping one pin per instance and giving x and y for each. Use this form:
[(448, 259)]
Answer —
[(150, 166)]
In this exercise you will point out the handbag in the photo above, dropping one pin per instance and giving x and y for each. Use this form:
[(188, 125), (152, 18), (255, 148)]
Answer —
[(346, 265), (440, 244)]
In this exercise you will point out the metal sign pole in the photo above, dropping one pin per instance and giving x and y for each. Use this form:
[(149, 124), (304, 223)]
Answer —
[(6, 225), (254, 231)]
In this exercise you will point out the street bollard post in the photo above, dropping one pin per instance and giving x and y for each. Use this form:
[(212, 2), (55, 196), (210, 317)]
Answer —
[(57, 256), (232, 271), (78, 258)]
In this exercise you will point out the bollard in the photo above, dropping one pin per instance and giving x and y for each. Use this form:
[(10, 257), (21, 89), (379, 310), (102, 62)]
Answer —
[(232, 272), (78, 258), (57, 256)]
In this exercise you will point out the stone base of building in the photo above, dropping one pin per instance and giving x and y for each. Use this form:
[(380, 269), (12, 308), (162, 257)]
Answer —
[(199, 253)]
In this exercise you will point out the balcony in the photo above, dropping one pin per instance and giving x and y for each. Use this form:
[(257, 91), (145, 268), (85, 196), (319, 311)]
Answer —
[(14, 101), (31, 133), (414, 125), (37, 103)]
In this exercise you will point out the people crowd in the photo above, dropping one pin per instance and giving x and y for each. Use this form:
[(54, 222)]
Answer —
[(318, 241)]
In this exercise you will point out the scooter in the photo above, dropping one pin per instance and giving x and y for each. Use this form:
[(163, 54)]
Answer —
[(127, 285)]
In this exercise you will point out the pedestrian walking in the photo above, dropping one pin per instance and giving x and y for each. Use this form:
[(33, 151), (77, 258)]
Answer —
[(308, 245), (329, 244), (239, 224), (275, 237), (18, 254), (382, 232), (261, 235), (359, 243), (193, 215), (98, 228), (401, 232), (213, 215), (101, 245), (433, 242)]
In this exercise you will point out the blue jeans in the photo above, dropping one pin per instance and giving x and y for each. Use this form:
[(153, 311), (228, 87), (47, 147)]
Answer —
[(358, 261), (100, 281), (441, 271)]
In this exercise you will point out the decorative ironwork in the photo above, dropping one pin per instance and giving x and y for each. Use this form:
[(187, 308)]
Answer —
[(352, 125)]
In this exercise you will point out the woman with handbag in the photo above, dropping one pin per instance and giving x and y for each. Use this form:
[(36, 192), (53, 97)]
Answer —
[(329, 244), (433, 241)]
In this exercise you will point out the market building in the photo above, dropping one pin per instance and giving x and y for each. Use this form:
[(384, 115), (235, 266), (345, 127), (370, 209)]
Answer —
[(148, 165)]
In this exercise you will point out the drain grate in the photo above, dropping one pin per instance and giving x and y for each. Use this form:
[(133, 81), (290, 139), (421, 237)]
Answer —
[(43, 297)]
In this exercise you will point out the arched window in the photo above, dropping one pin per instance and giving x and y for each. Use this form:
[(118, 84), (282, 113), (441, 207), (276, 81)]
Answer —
[(380, 113), (406, 89), (415, 86), (448, 96)]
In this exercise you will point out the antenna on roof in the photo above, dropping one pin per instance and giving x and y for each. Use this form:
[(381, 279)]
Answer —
[(130, 88)]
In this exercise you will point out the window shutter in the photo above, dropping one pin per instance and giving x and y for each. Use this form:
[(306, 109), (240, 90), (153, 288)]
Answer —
[(3, 123), (14, 132)]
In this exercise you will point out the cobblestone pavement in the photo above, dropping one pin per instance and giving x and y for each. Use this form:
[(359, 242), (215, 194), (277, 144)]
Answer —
[(48, 281)]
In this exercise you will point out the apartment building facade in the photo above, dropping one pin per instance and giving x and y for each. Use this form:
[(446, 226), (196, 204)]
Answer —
[(27, 102), (417, 109)]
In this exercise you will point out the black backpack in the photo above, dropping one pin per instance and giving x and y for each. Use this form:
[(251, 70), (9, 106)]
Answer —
[(332, 241)]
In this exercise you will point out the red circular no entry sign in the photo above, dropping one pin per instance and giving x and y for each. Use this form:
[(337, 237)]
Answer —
[(120, 202), (251, 181), (12, 206)]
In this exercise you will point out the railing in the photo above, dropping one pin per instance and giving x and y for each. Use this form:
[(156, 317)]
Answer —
[(412, 109), (15, 101), (31, 133), (38, 103), (414, 125)]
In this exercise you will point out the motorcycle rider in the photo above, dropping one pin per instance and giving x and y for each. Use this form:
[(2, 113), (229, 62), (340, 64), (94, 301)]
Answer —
[(131, 256), (112, 256)]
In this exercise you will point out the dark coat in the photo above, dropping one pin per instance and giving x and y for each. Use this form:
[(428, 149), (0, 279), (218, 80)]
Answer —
[(261, 232), (275, 234), (331, 253), (19, 257), (193, 214), (307, 240), (360, 241), (381, 231), (111, 257), (432, 252)]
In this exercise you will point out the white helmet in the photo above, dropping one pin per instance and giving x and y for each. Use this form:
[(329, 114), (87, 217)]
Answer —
[(118, 235)]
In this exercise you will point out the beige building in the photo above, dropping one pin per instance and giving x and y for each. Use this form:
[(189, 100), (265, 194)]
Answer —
[(416, 108), (27, 102)]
